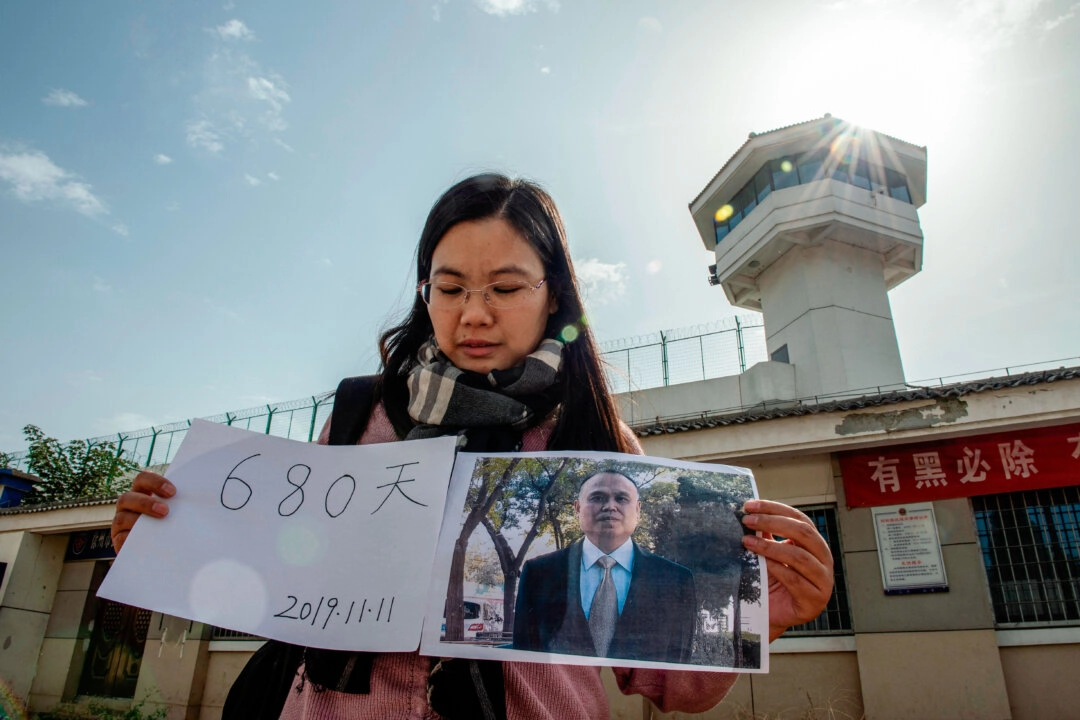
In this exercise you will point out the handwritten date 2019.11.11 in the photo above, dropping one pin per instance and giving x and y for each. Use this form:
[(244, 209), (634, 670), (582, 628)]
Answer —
[(237, 492), (357, 612)]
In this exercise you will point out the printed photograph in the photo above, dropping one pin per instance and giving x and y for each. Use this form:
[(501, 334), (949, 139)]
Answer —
[(593, 558)]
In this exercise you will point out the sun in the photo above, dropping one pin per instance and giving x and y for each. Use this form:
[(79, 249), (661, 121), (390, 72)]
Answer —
[(883, 67)]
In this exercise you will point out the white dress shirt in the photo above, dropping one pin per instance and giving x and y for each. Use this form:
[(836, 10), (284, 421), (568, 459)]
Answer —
[(592, 574)]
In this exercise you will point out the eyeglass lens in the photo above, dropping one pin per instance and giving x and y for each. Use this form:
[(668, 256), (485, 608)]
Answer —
[(501, 295)]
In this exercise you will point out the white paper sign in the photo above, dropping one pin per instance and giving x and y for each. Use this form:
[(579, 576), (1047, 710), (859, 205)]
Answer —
[(323, 546), (909, 549)]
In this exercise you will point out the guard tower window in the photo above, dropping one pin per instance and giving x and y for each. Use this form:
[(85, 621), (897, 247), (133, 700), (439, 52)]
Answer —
[(860, 175), (810, 166), (794, 170), (761, 183), (783, 173), (897, 185), (745, 200)]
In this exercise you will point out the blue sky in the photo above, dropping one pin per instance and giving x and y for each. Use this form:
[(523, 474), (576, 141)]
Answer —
[(206, 206)]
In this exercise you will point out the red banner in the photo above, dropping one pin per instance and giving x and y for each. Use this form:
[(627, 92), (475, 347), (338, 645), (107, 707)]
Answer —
[(961, 467)]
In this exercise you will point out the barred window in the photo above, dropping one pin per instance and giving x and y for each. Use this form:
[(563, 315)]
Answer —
[(221, 633), (1031, 548), (835, 619)]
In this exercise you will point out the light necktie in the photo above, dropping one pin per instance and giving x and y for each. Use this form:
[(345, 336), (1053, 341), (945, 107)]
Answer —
[(605, 609)]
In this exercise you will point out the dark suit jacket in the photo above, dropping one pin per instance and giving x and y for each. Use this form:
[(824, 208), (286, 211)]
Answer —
[(657, 621)]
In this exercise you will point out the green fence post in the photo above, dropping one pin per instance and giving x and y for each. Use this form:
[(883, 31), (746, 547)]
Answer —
[(664, 358), (153, 441), (742, 349), (314, 414)]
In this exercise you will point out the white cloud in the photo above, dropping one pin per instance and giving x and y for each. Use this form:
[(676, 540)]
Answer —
[(259, 399), (602, 282), (252, 181), (650, 25), (239, 100), (283, 145), (221, 310), (273, 176), (120, 229), (502, 8), (1064, 17), (326, 262), (83, 378), (202, 135), (545, 70), (125, 422), (101, 286), (35, 178), (996, 23), (654, 266), (162, 159), (267, 91), (59, 97), (234, 30)]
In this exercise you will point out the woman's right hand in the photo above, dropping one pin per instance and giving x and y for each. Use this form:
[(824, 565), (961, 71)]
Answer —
[(141, 499)]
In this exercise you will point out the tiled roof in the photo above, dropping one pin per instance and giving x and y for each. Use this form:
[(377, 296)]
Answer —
[(807, 406), (58, 505)]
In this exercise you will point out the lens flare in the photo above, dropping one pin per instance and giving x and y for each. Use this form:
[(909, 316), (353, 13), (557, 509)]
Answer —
[(653, 267), (786, 166), (217, 585), (10, 706), (569, 334), (724, 213)]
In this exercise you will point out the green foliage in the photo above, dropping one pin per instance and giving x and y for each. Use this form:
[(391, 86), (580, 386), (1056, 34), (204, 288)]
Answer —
[(483, 568), (75, 470), (6, 459), (97, 711)]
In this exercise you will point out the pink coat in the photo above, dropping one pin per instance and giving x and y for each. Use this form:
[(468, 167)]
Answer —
[(534, 691)]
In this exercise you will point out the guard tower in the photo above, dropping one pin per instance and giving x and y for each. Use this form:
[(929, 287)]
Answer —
[(812, 225)]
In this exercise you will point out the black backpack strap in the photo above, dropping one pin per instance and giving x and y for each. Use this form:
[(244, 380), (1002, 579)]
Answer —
[(353, 401), (259, 692)]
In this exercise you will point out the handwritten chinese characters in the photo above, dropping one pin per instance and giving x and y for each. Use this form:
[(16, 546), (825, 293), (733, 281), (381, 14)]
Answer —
[(320, 546), (979, 465)]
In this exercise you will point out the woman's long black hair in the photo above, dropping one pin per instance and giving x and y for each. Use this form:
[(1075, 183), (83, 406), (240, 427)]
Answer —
[(588, 419)]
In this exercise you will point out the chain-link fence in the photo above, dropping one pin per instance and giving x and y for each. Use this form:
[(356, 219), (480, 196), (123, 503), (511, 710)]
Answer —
[(155, 446), (671, 357), (665, 358)]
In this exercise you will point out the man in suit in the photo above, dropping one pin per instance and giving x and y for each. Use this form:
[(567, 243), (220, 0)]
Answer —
[(605, 595)]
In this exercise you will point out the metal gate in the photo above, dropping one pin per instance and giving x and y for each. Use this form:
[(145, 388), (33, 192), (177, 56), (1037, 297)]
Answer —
[(111, 666)]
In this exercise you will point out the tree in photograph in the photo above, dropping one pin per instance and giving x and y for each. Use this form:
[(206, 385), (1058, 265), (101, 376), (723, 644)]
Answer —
[(488, 483), (483, 568), (73, 470), (704, 533), (524, 508)]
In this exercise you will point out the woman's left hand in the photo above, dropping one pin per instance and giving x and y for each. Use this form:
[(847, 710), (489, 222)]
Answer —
[(800, 566)]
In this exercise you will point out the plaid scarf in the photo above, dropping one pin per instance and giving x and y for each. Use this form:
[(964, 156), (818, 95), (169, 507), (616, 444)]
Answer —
[(492, 410)]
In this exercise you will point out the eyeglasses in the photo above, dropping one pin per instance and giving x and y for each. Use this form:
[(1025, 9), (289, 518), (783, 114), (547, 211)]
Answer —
[(501, 295)]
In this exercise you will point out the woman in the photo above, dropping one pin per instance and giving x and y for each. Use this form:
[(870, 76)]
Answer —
[(496, 348)]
